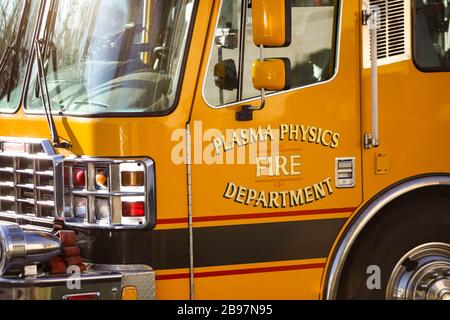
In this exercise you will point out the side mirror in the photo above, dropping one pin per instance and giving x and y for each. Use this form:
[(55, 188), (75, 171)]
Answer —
[(272, 27), (225, 75), (272, 74), (272, 22)]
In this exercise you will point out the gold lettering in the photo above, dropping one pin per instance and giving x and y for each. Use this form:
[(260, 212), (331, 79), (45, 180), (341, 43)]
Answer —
[(251, 196), (254, 136), (335, 140), (319, 136), (305, 131), (284, 198), (324, 137), (309, 194), (319, 191), (280, 164), (264, 167), (293, 132), (278, 199), (230, 191), (327, 182), (235, 139), (273, 200), (261, 199), (218, 143), (243, 134), (227, 146), (284, 129), (241, 195), (312, 134), (269, 133), (296, 198), (295, 163)]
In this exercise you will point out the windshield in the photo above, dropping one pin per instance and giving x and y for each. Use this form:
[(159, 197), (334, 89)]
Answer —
[(112, 56), (17, 20)]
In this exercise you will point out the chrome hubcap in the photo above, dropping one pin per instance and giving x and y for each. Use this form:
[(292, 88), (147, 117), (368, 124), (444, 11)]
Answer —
[(422, 274)]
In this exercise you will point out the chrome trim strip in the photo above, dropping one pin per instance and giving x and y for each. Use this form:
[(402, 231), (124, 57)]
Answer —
[(250, 100), (29, 218), (355, 228), (122, 268), (101, 193), (108, 280), (44, 142), (45, 281)]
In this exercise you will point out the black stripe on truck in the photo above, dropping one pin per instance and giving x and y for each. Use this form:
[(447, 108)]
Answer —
[(215, 246)]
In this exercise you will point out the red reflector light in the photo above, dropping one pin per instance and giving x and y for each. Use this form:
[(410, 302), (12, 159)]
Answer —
[(79, 177), (83, 297), (133, 209)]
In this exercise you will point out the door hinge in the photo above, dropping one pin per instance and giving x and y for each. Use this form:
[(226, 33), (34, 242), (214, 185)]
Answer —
[(370, 142)]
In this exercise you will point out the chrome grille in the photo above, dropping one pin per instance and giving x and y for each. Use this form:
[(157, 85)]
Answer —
[(29, 171)]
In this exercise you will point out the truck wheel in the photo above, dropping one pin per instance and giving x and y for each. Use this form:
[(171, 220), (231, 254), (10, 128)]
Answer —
[(402, 254)]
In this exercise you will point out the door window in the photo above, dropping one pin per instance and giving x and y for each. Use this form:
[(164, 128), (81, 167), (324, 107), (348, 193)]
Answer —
[(312, 51)]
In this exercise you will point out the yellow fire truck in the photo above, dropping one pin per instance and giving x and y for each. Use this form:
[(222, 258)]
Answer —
[(227, 149)]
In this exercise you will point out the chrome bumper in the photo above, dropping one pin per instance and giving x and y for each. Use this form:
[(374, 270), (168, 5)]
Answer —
[(107, 281)]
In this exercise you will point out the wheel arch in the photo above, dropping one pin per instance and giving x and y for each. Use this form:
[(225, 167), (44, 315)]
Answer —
[(365, 215)]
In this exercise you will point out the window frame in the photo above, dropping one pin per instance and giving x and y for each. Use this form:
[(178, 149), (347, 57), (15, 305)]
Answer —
[(414, 42), (169, 111), (337, 32), (37, 22)]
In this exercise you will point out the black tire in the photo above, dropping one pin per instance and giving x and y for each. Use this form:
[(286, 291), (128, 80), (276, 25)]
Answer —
[(415, 219)]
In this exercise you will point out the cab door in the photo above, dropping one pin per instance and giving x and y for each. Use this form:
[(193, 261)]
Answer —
[(270, 195)]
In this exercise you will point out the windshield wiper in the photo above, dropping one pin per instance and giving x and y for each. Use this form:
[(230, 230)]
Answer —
[(45, 96), (92, 103)]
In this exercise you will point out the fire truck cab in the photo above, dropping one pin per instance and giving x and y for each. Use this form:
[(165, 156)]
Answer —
[(224, 149)]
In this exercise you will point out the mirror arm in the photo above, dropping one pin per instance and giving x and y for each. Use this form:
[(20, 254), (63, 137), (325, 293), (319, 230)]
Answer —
[(262, 104), (220, 56), (246, 113)]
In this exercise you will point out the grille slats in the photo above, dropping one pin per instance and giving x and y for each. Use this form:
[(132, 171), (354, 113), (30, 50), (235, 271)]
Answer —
[(27, 184)]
